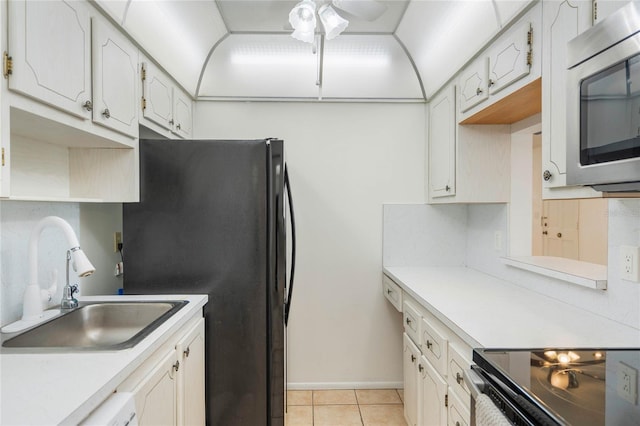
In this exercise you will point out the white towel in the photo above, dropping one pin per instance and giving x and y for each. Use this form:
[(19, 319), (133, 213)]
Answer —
[(487, 414)]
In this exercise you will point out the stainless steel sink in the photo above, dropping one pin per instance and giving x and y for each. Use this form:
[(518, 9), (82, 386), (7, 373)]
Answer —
[(98, 326)]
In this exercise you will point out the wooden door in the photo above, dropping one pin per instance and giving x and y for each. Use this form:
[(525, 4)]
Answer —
[(50, 43), (560, 228), (115, 76)]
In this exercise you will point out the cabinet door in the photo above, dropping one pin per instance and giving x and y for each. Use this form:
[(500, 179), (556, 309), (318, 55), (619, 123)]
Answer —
[(433, 390), (181, 114), (191, 397), (157, 104), (156, 395), (509, 58), (442, 144), (50, 44), (474, 84), (115, 73), (411, 358), (458, 413), (562, 21)]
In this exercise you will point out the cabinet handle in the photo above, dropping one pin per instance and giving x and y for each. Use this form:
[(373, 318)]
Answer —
[(176, 366), (186, 352), (106, 113), (171, 122), (459, 378), (408, 321), (457, 423), (429, 344), (413, 358), (389, 291), (178, 126), (420, 368), (546, 175), (491, 82), (88, 106), (447, 188), (478, 91)]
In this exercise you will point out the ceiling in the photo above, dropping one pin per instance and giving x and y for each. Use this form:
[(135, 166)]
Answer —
[(242, 49)]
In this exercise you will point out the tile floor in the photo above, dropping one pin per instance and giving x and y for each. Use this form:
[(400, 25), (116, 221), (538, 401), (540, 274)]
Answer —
[(360, 407)]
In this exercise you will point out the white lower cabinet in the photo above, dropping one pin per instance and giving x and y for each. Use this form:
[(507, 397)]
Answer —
[(169, 387), (434, 389)]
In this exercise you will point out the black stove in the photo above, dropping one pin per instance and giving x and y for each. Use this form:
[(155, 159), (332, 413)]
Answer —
[(562, 386)]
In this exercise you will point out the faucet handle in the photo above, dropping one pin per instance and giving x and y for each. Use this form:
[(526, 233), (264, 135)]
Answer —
[(74, 289)]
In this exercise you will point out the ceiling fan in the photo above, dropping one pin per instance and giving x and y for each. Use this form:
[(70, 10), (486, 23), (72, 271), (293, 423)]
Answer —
[(303, 16)]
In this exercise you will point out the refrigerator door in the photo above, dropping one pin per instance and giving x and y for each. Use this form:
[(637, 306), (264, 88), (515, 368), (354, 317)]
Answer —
[(203, 225)]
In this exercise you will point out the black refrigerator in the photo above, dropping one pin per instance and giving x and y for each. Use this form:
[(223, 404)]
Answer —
[(211, 220)]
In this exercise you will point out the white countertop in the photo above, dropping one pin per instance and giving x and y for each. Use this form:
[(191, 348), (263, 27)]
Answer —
[(489, 312), (63, 388)]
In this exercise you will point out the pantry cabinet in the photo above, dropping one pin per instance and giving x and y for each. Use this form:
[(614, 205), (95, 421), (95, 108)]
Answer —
[(169, 387)]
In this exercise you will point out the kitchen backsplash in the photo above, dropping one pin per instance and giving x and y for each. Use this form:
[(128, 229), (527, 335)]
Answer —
[(433, 237), (93, 224)]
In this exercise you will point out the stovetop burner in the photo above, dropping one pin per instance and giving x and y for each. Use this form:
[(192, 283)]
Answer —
[(573, 386)]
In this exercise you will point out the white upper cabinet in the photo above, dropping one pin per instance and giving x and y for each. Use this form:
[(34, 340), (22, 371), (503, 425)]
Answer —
[(50, 43), (442, 144), (474, 84), (182, 114), (562, 21), (510, 58), (115, 76)]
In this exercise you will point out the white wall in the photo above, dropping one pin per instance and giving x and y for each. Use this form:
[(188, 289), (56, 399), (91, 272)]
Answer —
[(92, 223), (345, 161)]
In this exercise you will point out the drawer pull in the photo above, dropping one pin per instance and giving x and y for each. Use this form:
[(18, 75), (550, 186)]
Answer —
[(408, 321), (106, 113), (413, 358), (389, 291), (420, 367), (176, 366), (429, 344), (187, 352), (459, 378)]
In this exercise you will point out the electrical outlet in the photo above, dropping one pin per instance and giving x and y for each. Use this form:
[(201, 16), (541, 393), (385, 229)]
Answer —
[(627, 383), (117, 240), (497, 240), (629, 263)]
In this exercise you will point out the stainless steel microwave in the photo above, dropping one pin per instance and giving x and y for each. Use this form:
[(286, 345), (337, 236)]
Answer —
[(603, 104)]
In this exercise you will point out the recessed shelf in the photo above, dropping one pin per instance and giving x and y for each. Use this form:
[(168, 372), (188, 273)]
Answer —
[(590, 275)]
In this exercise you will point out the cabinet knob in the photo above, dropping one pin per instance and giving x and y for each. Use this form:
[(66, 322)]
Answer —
[(186, 352), (88, 106), (478, 91), (389, 291), (559, 234), (420, 367), (178, 126), (459, 378), (171, 121), (176, 366), (491, 82), (457, 423), (545, 233), (106, 113), (546, 175), (413, 358), (447, 188), (408, 321), (429, 344)]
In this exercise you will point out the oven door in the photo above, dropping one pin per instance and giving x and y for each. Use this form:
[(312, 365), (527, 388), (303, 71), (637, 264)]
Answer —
[(603, 119), (493, 403)]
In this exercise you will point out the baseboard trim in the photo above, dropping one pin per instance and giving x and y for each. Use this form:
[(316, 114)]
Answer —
[(344, 385)]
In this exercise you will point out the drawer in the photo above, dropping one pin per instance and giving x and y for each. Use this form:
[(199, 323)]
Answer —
[(458, 411), (434, 346), (457, 363), (392, 292), (411, 319)]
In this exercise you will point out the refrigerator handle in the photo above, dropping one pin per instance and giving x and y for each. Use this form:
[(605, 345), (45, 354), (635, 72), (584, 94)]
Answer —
[(293, 246)]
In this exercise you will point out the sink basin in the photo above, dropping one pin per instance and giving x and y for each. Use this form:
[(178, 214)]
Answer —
[(98, 326)]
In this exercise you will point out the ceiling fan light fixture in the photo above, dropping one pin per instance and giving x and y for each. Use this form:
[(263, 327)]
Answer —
[(333, 23), (303, 20), (306, 36)]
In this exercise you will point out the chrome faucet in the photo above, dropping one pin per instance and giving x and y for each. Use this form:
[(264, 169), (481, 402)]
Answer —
[(68, 301)]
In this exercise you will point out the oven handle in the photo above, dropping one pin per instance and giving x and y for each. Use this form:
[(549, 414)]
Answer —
[(475, 383)]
